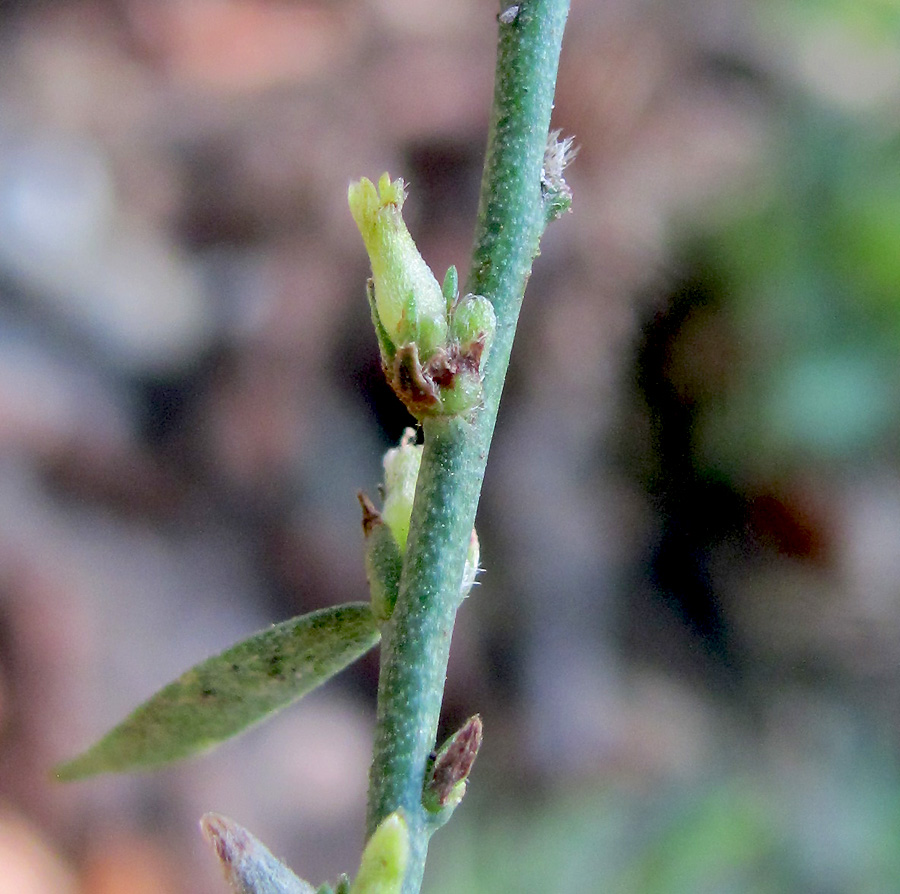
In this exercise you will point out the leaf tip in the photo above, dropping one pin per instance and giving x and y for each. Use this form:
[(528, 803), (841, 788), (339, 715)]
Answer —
[(74, 770), (249, 866)]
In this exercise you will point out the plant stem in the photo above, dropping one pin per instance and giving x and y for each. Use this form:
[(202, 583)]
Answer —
[(511, 220)]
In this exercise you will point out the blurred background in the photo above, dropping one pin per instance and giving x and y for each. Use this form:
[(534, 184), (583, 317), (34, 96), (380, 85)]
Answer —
[(686, 641)]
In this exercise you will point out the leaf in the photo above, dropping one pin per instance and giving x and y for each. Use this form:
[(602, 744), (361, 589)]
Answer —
[(231, 691), (248, 864)]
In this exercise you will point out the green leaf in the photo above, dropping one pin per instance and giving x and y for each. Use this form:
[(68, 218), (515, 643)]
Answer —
[(225, 694)]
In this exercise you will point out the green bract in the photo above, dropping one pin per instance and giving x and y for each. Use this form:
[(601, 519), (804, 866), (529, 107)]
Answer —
[(384, 561)]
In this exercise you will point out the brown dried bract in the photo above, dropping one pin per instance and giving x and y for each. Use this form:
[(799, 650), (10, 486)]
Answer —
[(371, 517)]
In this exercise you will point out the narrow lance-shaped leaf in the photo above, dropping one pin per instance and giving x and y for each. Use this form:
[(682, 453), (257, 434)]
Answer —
[(249, 866), (231, 691)]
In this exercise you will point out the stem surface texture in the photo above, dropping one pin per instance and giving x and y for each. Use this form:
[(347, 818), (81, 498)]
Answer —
[(511, 220)]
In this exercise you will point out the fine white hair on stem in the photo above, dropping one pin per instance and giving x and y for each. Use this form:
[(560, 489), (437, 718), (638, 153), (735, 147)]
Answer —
[(558, 155)]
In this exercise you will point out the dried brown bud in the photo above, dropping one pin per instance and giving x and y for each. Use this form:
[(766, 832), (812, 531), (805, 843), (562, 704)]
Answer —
[(445, 781)]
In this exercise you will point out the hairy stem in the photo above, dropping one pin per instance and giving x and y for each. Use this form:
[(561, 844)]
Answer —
[(511, 220)]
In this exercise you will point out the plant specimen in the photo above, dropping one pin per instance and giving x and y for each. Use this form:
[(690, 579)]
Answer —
[(445, 352)]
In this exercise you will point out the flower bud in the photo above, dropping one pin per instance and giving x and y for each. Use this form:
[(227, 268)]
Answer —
[(401, 470), (383, 863), (433, 344), (386, 532), (473, 325), (408, 300), (461, 390), (445, 781)]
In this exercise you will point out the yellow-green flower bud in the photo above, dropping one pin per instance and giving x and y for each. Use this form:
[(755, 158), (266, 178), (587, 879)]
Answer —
[(387, 531), (401, 469), (383, 863), (409, 303)]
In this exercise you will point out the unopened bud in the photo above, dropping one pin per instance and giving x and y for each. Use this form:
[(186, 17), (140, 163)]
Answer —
[(445, 782), (459, 370), (409, 303), (433, 344), (383, 863), (401, 471), (473, 325)]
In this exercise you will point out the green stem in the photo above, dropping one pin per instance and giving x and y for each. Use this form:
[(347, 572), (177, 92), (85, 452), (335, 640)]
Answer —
[(511, 220)]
